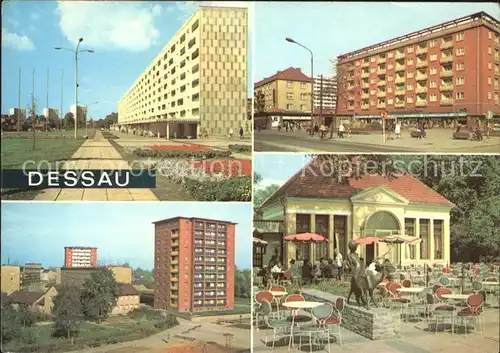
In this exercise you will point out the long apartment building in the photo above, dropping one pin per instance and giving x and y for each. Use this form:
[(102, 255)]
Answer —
[(197, 84), (451, 70), (325, 89), (80, 256), (194, 264)]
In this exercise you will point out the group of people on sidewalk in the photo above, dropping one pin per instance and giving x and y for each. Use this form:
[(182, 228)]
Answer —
[(321, 130), (231, 133)]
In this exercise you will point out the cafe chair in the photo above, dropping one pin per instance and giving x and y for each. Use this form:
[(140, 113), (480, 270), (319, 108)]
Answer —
[(281, 328), (318, 331), (473, 311)]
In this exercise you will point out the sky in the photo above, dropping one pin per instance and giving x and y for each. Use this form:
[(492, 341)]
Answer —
[(330, 29), (122, 232), (126, 36), (285, 166)]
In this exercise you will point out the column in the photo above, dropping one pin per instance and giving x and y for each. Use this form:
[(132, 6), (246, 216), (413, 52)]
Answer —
[(331, 235), (446, 240), (349, 234), (167, 131), (431, 240), (290, 229), (312, 246), (417, 234), (198, 130)]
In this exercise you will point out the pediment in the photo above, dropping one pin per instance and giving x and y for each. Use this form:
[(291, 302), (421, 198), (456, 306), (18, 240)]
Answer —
[(379, 195)]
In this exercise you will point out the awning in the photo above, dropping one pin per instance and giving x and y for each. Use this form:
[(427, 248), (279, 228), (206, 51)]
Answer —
[(259, 241), (367, 240), (416, 115), (267, 226), (401, 239), (302, 118)]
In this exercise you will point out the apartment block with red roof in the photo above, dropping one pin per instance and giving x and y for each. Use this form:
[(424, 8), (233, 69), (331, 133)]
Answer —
[(373, 205)]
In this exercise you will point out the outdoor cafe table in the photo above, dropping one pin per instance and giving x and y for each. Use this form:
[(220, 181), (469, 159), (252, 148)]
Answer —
[(455, 296), (411, 290), (296, 306)]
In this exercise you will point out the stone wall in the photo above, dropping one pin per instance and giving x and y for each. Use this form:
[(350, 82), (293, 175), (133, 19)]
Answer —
[(374, 324)]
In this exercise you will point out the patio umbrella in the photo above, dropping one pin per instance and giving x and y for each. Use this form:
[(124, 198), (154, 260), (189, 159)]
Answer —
[(401, 239), (259, 241), (367, 240), (306, 237)]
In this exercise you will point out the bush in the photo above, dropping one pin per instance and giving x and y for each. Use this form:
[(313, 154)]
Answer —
[(464, 135), (240, 148), (234, 189), (181, 154)]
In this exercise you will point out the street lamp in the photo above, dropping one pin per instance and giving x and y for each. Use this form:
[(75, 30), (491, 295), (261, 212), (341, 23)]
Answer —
[(76, 51), (290, 40)]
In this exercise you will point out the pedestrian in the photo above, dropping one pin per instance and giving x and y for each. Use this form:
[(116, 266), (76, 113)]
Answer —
[(241, 132), (338, 259), (349, 132), (397, 130), (316, 129), (231, 133), (286, 127), (341, 130)]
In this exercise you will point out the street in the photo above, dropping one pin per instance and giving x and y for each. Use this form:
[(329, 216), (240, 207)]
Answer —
[(437, 140)]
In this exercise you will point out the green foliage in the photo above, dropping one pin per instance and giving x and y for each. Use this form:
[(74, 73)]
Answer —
[(141, 276), (99, 295), (260, 195), (11, 327), (257, 178), (25, 316), (69, 121), (233, 189), (108, 135), (67, 312), (182, 154), (240, 148), (242, 283)]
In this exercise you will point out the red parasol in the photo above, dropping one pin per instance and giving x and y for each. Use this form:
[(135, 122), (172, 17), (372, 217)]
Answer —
[(367, 240), (401, 239), (306, 237)]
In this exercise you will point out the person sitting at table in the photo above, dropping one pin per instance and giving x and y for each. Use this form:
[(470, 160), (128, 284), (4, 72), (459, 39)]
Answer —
[(307, 271), (266, 276), (331, 269), (316, 273), (294, 267)]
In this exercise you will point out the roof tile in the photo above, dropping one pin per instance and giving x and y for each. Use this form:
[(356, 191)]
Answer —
[(290, 74)]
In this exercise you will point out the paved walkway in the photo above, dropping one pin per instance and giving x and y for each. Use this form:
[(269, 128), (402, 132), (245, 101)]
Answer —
[(96, 154)]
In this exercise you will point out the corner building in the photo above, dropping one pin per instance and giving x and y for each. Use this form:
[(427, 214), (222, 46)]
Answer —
[(194, 265), (197, 85), (449, 71)]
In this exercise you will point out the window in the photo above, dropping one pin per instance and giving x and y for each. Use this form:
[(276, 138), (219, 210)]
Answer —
[(459, 95), (490, 35), (302, 85), (289, 107), (489, 95), (489, 50), (460, 81), (322, 228), (438, 239), (289, 84), (432, 84), (372, 59), (433, 98), (409, 87), (409, 50), (372, 69), (433, 71), (302, 225), (390, 54), (409, 100), (409, 74), (432, 43), (460, 36), (390, 101), (410, 231), (409, 62), (433, 57), (460, 66), (373, 80), (424, 235), (289, 95), (490, 65), (460, 51), (303, 96)]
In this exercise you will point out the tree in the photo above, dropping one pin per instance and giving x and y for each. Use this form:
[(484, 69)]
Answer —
[(11, 327), (67, 311), (257, 178), (69, 121), (25, 316), (261, 194), (33, 117), (242, 283), (99, 294)]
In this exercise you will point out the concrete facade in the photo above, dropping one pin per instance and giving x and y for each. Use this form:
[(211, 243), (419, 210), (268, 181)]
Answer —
[(80, 256), (194, 265), (325, 90), (451, 67), (11, 278), (197, 84), (123, 274)]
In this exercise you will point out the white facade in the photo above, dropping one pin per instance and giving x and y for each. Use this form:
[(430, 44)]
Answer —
[(325, 87)]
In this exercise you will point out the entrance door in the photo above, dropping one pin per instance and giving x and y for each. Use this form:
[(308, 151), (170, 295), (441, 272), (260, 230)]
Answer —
[(370, 254)]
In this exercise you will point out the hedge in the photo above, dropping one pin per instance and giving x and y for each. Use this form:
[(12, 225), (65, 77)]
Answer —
[(181, 154), (240, 148), (233, 189)]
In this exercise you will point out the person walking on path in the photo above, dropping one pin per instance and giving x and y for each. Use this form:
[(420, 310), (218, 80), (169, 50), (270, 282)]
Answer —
[(316, 129), (231, 132), (341, 130), (241, 132), (338, 259), (397, 130)]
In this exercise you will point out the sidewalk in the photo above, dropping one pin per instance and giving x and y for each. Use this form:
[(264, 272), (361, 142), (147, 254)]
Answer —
[(96, 154)]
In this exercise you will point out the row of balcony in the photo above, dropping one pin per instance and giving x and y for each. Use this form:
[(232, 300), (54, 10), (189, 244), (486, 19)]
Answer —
[(418, 103), (418, 89)]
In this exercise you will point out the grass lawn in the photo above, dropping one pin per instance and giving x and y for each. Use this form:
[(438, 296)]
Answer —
[(52, 134), (241, 306), (16, 151)]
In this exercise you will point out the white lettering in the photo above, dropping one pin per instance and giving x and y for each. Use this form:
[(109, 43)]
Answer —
[(53, 178), (70, 178), (105, 179), (30, 179), (88, 176), (127, 179)]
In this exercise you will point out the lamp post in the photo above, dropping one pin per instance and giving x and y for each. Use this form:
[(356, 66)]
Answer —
[(76, 51), (288, 39)]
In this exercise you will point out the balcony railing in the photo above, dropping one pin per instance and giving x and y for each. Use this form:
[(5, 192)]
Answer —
[(399, 104), (421, 50), (421, 89), (381, 71), (365, 74), (399, 92), (448, 87), (421, 77), (421, 103), (399, 79), (381, 83), (446, 59), (174, 253), (365, 106), (446, 44), (446, 73), (399, 68), (365, 64), (365, 95), (446, 101), (365, 85), (381, 94), (382, 60), (400, 55), (422, 64), (351, 107)]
